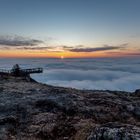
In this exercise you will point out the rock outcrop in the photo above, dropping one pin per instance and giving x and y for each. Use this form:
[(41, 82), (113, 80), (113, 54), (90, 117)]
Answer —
[(35, 111)]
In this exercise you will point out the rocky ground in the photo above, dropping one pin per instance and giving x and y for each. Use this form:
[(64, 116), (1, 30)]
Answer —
[(34, 111)]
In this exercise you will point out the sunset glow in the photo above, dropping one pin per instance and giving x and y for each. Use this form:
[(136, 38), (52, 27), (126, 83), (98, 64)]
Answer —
[(67, 54), (52, 30), (70, 69)]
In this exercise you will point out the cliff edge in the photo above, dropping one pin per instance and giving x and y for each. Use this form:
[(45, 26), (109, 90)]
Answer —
[(35, 111)]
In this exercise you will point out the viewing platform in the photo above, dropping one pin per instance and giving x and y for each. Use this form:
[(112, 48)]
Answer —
[(18, 72), (4, 72), (33, 70)]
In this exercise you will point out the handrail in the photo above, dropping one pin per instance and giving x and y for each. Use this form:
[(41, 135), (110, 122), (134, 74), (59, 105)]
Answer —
[(27, 71), (33, 70), (4, 71)]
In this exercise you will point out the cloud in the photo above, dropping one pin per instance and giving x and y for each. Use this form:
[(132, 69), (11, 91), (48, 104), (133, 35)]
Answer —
[(18, 41), (102, 74), (67, 47), (134, 54), (104, 48), (22, 43), (126, 53), (129, 83), (137, 35), (33, 48), (97, 73), (92, 79)]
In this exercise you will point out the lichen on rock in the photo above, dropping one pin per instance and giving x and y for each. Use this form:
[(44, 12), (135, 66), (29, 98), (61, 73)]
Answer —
[(35, 111)]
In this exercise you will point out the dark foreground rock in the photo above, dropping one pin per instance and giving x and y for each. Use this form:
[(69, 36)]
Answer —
[(34, 111)]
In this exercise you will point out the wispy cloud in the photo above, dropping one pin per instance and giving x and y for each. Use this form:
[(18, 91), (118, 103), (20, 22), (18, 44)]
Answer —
[(134, 54), (18, 41), (24, 43), (104, 48), (78, 48), (33, 48), (137, 35)]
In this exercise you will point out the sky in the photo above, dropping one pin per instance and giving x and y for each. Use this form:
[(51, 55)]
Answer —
[(69, 28)]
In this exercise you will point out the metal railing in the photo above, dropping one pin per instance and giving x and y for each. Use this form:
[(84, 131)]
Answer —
[(33, 70), (26, 71), (4, 71)]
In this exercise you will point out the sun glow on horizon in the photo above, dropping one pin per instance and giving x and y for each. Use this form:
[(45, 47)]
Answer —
[(65, 54), (62, 57)]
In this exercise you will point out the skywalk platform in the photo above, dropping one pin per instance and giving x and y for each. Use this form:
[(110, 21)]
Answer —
[(18, 72)]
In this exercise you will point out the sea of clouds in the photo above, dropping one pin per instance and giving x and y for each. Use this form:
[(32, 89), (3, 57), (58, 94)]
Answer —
[(99, 73)]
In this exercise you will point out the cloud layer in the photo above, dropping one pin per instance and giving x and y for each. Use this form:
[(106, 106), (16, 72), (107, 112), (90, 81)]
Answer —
[(92, 79), (103, 74)]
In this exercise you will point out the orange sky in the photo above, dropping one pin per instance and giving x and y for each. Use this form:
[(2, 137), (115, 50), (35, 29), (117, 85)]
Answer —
[(65, 54), (72, 29)]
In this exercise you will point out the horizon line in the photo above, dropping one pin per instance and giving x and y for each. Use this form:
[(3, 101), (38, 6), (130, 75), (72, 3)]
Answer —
[(14, 57)]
